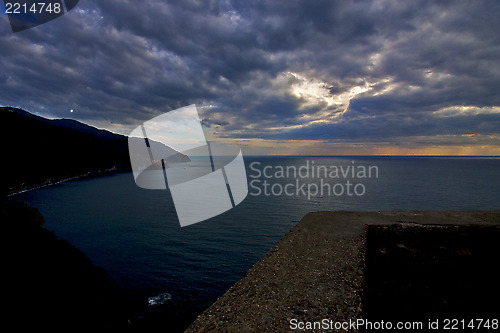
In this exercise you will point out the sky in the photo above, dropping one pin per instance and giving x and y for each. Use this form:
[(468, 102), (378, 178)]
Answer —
[(280, 77)]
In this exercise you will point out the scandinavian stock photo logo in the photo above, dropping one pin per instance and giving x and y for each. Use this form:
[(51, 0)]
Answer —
[(310, 179), (205, 178)]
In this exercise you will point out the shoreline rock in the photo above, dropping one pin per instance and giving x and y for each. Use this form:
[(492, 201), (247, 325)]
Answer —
[(49, 283)]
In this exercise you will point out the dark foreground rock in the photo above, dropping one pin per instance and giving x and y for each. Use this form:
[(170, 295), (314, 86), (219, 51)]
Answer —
[(375, 266), (49, 285), (432, 271)]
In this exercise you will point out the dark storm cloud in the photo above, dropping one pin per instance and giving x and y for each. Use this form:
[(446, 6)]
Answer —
[(385, 127), (122, 62)]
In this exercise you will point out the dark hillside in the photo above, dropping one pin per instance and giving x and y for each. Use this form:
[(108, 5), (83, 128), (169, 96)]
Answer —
[(49, 284), (38, 151)]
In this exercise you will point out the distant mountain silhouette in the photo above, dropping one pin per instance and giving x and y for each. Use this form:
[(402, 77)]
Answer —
[(38, 151)]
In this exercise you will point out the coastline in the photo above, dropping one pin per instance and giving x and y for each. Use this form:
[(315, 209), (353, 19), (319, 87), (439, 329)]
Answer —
[(48, 183), (318, 270)]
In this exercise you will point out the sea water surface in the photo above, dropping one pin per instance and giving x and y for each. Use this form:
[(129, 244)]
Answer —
[(135, 235)]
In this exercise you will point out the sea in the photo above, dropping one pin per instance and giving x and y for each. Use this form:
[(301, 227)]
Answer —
[(135, 235)]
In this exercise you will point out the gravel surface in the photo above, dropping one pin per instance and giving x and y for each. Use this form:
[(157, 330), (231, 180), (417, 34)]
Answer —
[(316, 271)]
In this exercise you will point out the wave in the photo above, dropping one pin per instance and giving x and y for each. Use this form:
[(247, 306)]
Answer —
[(159, 299)]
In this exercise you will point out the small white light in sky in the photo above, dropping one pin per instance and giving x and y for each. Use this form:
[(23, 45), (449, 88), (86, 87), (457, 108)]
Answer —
[(71, 110)]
